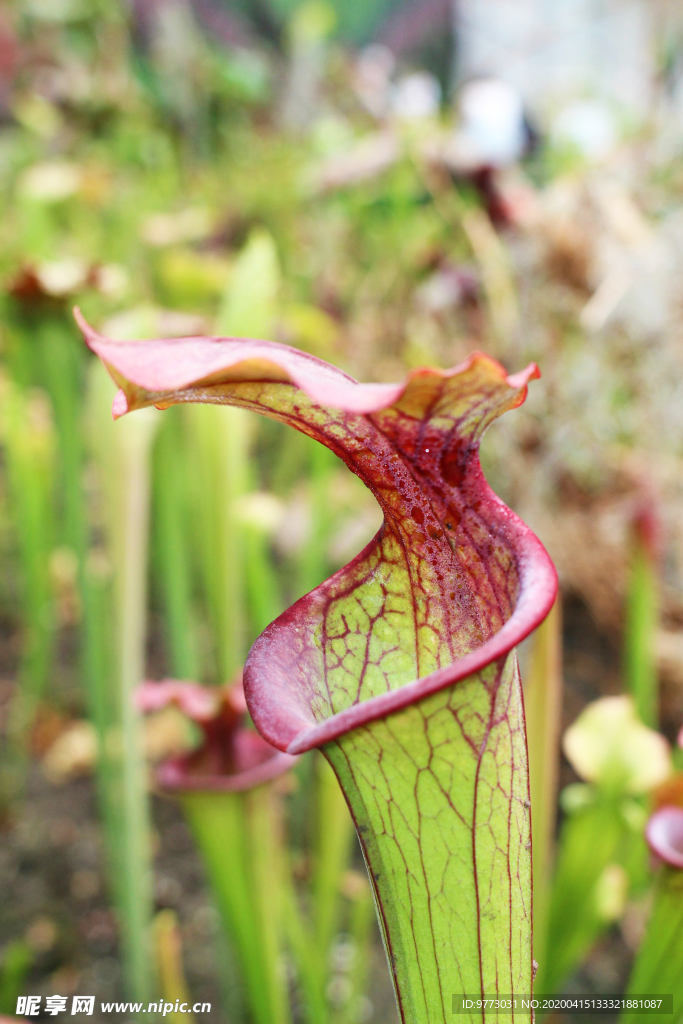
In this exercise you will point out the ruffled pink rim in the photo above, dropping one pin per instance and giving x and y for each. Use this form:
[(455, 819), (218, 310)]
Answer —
[(207, 360)]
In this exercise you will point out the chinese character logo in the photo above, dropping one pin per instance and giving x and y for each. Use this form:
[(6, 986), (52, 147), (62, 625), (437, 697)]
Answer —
[(28, 1006), (55, 1005), (83, 1004)]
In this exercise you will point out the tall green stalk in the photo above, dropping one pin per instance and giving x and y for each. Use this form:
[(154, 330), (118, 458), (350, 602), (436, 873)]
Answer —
[(123, 461), (640, 627), (169, 957), (311, 935), (657, 968), (44, 349), (28, 445), (312, 560), (362, 932), (220, 450), (543, 703), (172, 548), (63, 370), (238, 835), (334, 838), (599, 840), (108, 683), (221, 446)]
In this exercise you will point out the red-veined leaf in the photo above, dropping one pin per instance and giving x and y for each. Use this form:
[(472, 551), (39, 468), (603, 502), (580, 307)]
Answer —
[(401, 666)]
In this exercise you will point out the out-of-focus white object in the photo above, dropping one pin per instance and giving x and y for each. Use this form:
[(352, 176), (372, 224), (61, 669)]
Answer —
[(51, 181), (629, 262), (309, 30), (260, 510), (188, 225), (372, 78), (56, 10), (62, 277), (493, 131), (415, 96), (555, 51), (589, 126)]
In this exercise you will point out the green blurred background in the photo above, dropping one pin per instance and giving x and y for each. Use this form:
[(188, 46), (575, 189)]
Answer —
[(346, 178)]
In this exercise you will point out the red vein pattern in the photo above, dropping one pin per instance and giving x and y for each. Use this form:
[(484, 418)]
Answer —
[(401, 666)]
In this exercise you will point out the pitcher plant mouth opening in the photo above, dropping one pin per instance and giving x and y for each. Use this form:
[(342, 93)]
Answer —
[(294, 724), (449, 513)]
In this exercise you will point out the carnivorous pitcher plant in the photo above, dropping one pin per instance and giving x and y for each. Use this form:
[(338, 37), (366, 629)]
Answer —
[(226, 793), (401, 666)]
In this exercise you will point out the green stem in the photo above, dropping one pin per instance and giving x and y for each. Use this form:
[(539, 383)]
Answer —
[(28, 444), (640, 668), (362, 934), (308, 957), (591, 840), (62, 372), (334, 836), (311, 941), (262, 583), (171, 530), (221, 449), (169, 955), (101, 692), (62, 358), (123, 456), (312, 560), (543, 702), (657, 968), (130, 559), (238, 836)]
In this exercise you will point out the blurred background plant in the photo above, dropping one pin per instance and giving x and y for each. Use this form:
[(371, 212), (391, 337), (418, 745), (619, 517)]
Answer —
[(337, 177)]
